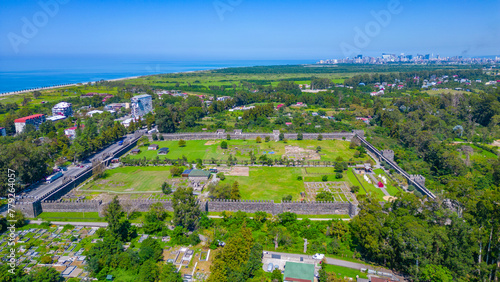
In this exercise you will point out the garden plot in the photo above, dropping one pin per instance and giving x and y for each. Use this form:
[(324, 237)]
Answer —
[(234, 171), (340, 191), (243, 149), (298, 153)]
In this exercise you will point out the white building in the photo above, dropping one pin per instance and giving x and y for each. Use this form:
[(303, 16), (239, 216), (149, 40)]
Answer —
[(56, 118), (63, 109), (141, 105), (91, 113), (127, 122)]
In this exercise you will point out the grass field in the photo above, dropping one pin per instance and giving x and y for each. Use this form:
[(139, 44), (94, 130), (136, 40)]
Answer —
[(131, 179), (196, 149), (341, 271), (71, 216), (269, 183)]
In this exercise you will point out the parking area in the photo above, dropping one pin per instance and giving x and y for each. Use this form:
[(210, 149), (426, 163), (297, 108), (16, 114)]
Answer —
[(280, 261)]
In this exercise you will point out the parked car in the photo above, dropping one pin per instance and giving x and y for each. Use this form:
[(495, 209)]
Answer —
[(318, 256), (270, 267)]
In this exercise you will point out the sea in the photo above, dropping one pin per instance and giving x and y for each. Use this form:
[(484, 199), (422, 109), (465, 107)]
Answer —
[(21, 73)]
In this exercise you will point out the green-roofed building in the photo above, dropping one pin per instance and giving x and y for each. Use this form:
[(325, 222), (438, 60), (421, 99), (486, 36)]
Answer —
[(198, 174), (298, 272)]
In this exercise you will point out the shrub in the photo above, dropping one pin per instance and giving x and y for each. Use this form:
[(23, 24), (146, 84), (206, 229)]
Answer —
[(258, 139), (299, 177), (228, 137), (411, 188), (281, 136), (182, 143), (287, 198), (223, 145), (355, 189), (161, 137), (154, 136), (338, 175), (267, 139), (166, 189), (324, 178), (221, 175), (320, 137), (300, 136)]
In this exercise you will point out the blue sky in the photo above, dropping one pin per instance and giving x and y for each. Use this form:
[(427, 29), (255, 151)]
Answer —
[(248, 29)]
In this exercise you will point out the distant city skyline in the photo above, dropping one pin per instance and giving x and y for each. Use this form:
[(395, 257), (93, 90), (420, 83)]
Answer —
[(258, 29)]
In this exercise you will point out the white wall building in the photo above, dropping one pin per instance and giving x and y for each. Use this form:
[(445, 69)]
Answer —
[(63, 109)]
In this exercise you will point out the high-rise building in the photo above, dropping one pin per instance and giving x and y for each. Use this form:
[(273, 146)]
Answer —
[(36, 120), (63, 109), (141, 105)]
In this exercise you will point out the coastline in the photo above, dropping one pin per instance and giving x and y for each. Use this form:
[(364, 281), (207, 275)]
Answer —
[(63, 85)]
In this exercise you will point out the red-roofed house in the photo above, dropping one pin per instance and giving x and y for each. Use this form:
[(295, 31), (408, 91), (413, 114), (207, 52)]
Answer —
[(36, 120), (288, 123), (280, 106), (71, 132)]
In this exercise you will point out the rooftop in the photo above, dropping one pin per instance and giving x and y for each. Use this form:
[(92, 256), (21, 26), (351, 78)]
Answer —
[(23, 119), (199, 173), (299, 272)]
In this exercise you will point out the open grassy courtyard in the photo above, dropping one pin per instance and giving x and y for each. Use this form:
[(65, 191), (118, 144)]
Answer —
[(269, 183), (131, 179), (205, 149)]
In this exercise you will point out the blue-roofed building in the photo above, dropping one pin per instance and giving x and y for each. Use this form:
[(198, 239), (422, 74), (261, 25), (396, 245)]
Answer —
[(186, 173)]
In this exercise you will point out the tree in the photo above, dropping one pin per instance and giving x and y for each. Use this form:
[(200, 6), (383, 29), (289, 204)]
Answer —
[(338, 175), (182, 143), (355, 189), (186, 208), (276, 276), (113, 214), (228, 137), (267, 138), (258, 139), (37, 94), (435, 273), (176, 171), (18, 216), (230, 264), (166, 189), (235, 191), (154, 136), (164, 120), (300, 136), (154, 219), (150, 250), (286, 198), (281, 136), (324, 178), (221, 176), (339, 167), (43, 274), (168, 273), (223, 145), (320, 137), (324, 196)]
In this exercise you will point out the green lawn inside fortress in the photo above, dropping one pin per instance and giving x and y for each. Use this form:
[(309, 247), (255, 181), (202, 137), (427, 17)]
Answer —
[(131, 179), (206, 149)]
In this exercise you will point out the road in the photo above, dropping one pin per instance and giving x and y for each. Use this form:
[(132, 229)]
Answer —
[(298, 218), (43, 188), (338, 262)]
